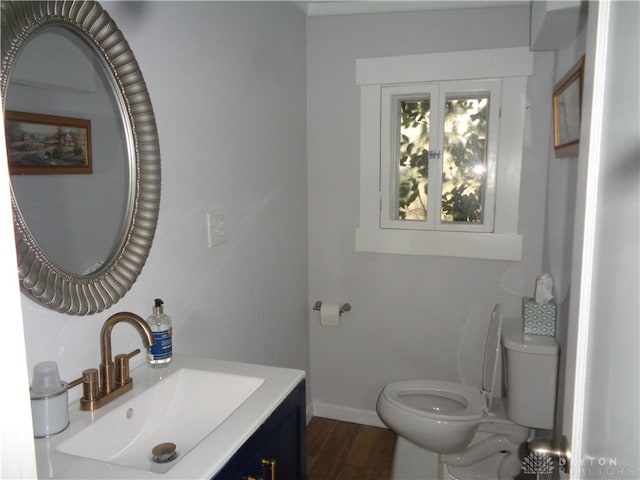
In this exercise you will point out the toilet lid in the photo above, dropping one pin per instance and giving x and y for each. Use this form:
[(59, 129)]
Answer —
[(436, 399), (492, 355)]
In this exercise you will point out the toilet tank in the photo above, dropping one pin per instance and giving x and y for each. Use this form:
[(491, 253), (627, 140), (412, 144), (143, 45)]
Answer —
[(530, 375)]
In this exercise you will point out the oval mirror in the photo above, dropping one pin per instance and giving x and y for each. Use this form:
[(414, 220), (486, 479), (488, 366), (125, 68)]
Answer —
[(83, 154)]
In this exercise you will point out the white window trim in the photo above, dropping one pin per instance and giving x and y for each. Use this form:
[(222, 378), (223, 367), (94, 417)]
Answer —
[(512, 65)]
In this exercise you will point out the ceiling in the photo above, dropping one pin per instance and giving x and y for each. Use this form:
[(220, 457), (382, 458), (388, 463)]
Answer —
[(331, 7)]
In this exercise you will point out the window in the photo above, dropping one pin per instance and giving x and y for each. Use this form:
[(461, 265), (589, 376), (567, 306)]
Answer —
[(441, 148), (438, 159)]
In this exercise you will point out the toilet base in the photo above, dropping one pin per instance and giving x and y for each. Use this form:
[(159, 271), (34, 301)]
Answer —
[(411, 462), (483, 470)]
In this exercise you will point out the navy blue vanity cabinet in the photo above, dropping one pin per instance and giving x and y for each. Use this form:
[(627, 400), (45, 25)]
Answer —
[(277, 450)]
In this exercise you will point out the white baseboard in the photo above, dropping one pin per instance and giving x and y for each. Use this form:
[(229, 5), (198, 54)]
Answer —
[(346, 414)]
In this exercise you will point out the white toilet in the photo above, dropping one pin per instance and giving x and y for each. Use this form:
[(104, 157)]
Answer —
[(476, 434)]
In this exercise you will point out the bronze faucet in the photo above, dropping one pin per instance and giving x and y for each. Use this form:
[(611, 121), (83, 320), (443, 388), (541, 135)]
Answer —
[(114, 376)]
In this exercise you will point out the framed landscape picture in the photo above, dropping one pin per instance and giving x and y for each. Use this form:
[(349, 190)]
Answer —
[(40, 144), (567, 101)]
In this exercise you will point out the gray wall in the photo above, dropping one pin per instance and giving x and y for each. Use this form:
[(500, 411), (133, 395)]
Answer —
[(560, 221), (412, 317), (227, 83)]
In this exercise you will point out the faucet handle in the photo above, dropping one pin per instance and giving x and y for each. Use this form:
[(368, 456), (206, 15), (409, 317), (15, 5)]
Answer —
[(122, 367), (90, 390), (76, 382)]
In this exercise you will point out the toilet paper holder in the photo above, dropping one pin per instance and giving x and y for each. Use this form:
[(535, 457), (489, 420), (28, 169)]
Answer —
[(345, 307)]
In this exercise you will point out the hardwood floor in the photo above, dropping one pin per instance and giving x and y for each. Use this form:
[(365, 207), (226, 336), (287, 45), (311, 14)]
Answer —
[(348, 451)]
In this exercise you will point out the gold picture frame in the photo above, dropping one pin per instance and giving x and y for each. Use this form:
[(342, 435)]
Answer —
[(567, 110), (40, 144)]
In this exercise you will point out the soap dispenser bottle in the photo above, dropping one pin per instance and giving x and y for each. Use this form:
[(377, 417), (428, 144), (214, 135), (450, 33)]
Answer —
[(159, 354)]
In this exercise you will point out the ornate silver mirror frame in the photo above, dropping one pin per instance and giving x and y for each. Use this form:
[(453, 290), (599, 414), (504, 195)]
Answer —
[(40, 278)]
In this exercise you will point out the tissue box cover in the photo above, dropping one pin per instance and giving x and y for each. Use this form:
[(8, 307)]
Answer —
[(539, 318)]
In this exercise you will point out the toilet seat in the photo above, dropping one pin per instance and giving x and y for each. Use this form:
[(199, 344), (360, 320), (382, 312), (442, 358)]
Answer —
[(451, 401), (436, 399), (443, 416)]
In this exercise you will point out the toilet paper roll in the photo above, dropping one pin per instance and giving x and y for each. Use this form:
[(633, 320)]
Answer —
[(330, 314)]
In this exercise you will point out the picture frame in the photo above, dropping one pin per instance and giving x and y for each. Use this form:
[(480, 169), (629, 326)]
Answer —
[(567, 106), (39, 144)]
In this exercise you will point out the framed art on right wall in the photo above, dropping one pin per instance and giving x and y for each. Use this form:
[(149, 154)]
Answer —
[(567, 101)]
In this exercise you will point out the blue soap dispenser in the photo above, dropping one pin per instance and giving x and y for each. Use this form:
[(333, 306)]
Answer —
[(159, 354)]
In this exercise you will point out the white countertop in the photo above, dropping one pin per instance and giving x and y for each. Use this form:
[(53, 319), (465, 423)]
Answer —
[(204, 460)]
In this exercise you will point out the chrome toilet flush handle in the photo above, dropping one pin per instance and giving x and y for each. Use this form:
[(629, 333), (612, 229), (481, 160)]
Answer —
[(556, 448)]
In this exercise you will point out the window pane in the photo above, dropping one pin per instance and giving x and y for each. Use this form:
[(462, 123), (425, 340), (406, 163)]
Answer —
[(464, 160), (413, 160)]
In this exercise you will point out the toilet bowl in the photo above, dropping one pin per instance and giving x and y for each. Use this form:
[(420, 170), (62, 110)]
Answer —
[(444, 417), (439, 416)]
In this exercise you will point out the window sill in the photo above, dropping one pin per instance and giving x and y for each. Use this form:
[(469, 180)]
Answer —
[(489, 246)]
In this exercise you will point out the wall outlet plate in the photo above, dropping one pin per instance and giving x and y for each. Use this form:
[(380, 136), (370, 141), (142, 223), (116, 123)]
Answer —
[(215, 229)]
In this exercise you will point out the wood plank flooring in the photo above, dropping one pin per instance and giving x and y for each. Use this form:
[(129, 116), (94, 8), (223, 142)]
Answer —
[(348, 451)]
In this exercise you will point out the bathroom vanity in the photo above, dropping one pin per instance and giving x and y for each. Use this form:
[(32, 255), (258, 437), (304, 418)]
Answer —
[(228, 421), (277, 448)]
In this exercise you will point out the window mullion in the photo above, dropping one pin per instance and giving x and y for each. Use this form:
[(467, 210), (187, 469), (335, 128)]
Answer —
[(435, 162)]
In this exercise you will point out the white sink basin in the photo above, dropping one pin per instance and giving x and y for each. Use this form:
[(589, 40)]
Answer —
[(183, 408)]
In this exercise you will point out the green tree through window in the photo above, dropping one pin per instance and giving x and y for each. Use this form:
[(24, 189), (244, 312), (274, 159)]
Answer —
[(464, 163), (413, 170)]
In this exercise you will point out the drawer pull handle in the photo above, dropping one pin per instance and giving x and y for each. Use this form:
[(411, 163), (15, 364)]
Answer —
[(271, 465)]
